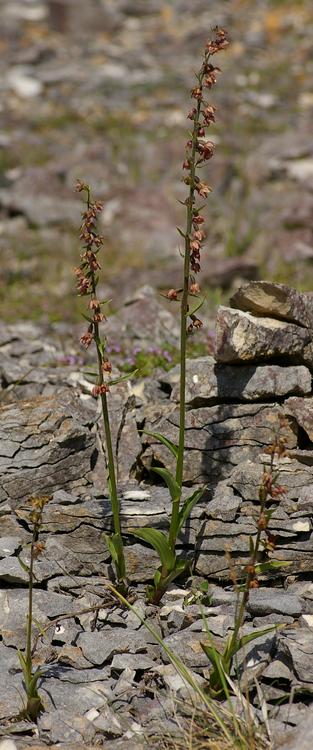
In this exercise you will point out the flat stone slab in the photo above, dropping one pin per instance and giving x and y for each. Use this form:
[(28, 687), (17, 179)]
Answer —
[(46, 444), (209, 382), (272, 299), (217, 437), (302, 411), (242, 337), (297, 645), (300, 738)]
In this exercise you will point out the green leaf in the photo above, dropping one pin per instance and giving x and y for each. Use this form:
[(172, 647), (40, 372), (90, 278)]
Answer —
[(39, 626), (211, 652), (159, 542), (33, 683), (270, 512), (115, 546), (90, 320), (180, 567), (111, 547), (165, 441), (252, 637), (188, 506), (90, 374), (22, 659), (123, 377), (23, 565), (195, 309), (181, 232), (272, 565), (157, 578), (173, 486), (251, 546)]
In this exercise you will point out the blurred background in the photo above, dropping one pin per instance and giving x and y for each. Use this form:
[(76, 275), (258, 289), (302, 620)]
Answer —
[(100, 90)]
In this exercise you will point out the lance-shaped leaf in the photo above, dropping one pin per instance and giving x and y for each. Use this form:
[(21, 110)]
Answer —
[(170, 480), (218, 684), (251, 545), (165, 441), (115, 546), (245, 639), (23, 565), (272, 565), (188, 506), (159, 542), (87, 318), (122, 378), (195, 309)]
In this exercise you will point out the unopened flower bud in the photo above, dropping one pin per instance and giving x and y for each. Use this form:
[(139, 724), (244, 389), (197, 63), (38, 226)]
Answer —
[(194, 288), (172, 294)]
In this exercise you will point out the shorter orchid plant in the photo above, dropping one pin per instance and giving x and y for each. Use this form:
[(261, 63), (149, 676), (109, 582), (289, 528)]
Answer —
[(31, 676), (260, 546), (87, 282), (199, 150)]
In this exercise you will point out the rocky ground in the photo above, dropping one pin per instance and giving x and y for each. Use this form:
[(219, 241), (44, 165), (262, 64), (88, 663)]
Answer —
[(100, 90), (106, 679)]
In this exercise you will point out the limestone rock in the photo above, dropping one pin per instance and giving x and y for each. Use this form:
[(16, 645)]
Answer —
[(278, 300), (46, 444), (298, 647), (209, 382), (300, 738), (302, 410), (217, 437), (241, 336)]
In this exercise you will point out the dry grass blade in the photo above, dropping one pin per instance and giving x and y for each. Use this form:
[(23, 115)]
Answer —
[(197, 730)]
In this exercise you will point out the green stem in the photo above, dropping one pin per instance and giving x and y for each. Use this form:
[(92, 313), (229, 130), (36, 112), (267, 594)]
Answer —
[(250, 575), (115, 505), (28, 652), (183, 330)]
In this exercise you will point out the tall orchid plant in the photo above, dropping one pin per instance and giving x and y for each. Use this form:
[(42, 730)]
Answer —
[(198, 151)]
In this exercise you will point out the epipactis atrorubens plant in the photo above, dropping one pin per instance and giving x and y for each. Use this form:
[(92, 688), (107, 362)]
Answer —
[(270, 492), (31, 675), (87, 282), (198, 151)]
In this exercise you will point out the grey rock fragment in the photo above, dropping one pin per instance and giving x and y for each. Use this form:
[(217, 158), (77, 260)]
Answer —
[(10, 683), (298, 646), (224, 504), (217, 438), (51, 446), (302, 410), (100, 647), (265, 601), (241, 337), (270, 298), (187, 646), (9, 545), (133, 662), (209, 382), (47, 604), (301, 738), (65, 726)]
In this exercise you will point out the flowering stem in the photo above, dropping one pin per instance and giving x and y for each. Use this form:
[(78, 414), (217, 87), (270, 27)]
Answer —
[(183, 329), (265, 490), (28, 650), (87, 285)]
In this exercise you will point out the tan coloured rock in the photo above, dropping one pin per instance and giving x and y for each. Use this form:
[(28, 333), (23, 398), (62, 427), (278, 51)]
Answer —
[(242, 337), (277, 300)]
